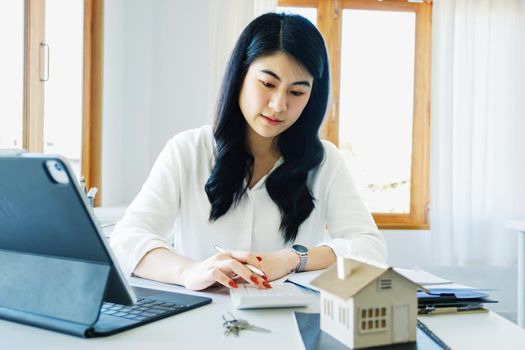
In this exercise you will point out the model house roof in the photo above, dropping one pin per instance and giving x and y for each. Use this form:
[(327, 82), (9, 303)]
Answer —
[(362, 274)]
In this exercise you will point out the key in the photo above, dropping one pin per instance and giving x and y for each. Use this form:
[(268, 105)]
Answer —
[(229, 324), (231, 328), (234, 325), (245, 325)]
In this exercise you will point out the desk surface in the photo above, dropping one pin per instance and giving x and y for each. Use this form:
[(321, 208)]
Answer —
[(202, 329), (476, 331)]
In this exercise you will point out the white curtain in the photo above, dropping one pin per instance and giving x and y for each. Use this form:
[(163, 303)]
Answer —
[(229, 17), (477, 130)]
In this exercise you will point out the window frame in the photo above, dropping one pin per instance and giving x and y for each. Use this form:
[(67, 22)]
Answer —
[(33, 129), (329, 22), (92, 99)]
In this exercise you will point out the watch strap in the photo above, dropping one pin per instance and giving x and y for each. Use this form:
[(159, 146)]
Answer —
[(302, 262)]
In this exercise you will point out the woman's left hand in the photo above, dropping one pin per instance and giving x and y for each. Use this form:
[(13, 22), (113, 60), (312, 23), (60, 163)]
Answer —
[(279, 263)]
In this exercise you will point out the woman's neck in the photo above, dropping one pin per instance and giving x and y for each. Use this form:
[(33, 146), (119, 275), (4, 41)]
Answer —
[(265, 153), (262, 147)]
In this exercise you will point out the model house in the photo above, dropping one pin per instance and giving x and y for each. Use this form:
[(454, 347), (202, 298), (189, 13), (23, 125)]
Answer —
[(365, 304)]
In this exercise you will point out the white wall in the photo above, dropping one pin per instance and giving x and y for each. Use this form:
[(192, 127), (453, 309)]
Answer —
[(113, 103), (156, 83), (407, 248)]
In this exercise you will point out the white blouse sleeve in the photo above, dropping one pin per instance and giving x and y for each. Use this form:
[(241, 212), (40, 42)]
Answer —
[(350, 225), (150, 217)]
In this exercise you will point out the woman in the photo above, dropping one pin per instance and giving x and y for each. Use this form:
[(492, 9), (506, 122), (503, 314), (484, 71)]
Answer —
[(258, 182)]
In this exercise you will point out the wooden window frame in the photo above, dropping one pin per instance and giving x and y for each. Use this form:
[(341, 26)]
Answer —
[(33, 133), (92, 100), (329, 22), (33, 137)]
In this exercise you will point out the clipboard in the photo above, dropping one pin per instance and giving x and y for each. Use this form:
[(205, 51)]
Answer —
[(452, 300)]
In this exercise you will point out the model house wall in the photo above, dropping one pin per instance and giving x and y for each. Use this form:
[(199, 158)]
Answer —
[(400, 304), (383, 311), (337, 317)]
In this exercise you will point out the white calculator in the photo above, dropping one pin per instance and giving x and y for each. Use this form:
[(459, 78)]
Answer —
[(248, 296)]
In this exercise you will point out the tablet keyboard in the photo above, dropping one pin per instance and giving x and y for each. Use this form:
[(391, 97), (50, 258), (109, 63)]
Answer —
[(248, 296), (142, 310)]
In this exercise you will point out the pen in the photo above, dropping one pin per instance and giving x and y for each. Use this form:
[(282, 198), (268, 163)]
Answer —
[(91, 194), (252, 268), (83, 184)]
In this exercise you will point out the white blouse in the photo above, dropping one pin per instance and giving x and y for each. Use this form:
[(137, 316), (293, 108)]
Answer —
[(172, 210)]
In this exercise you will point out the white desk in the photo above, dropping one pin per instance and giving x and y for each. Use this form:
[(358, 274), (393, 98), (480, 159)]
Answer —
[(519, 225), (202, 329), (196, 329), (476, 331)]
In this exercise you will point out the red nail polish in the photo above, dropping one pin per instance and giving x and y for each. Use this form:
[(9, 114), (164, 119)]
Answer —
[(254, 279), (265, 278), (233, 284), (267, 285), (259, 258)]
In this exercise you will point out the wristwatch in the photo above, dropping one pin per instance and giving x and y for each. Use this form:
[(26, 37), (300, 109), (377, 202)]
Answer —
[(302, 251)]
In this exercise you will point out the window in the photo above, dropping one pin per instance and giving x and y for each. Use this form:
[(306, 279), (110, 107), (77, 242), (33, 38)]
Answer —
[(65, 118), (344, 316), (328, 307), (62, 121), (379, 116), (372, 319), (12, 73), (384, 284)]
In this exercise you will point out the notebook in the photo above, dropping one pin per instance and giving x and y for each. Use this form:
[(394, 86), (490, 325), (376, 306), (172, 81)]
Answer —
[(57, 270)]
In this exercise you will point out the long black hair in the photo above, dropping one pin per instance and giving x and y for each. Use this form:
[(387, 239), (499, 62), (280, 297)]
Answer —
[(299, 145)]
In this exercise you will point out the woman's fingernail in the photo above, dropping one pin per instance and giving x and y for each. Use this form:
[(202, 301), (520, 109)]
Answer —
[(254, 279), (233, 284), (259, 258), (265, 278), (266, 285)]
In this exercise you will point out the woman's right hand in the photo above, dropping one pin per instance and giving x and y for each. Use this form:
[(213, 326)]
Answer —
[(222, 268)]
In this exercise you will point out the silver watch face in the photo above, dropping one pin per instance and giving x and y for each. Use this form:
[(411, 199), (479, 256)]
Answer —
[(301, 249)]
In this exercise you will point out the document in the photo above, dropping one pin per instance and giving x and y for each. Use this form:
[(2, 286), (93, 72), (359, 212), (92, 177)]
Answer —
[(421, 277), (303, 279), (452, 300)]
